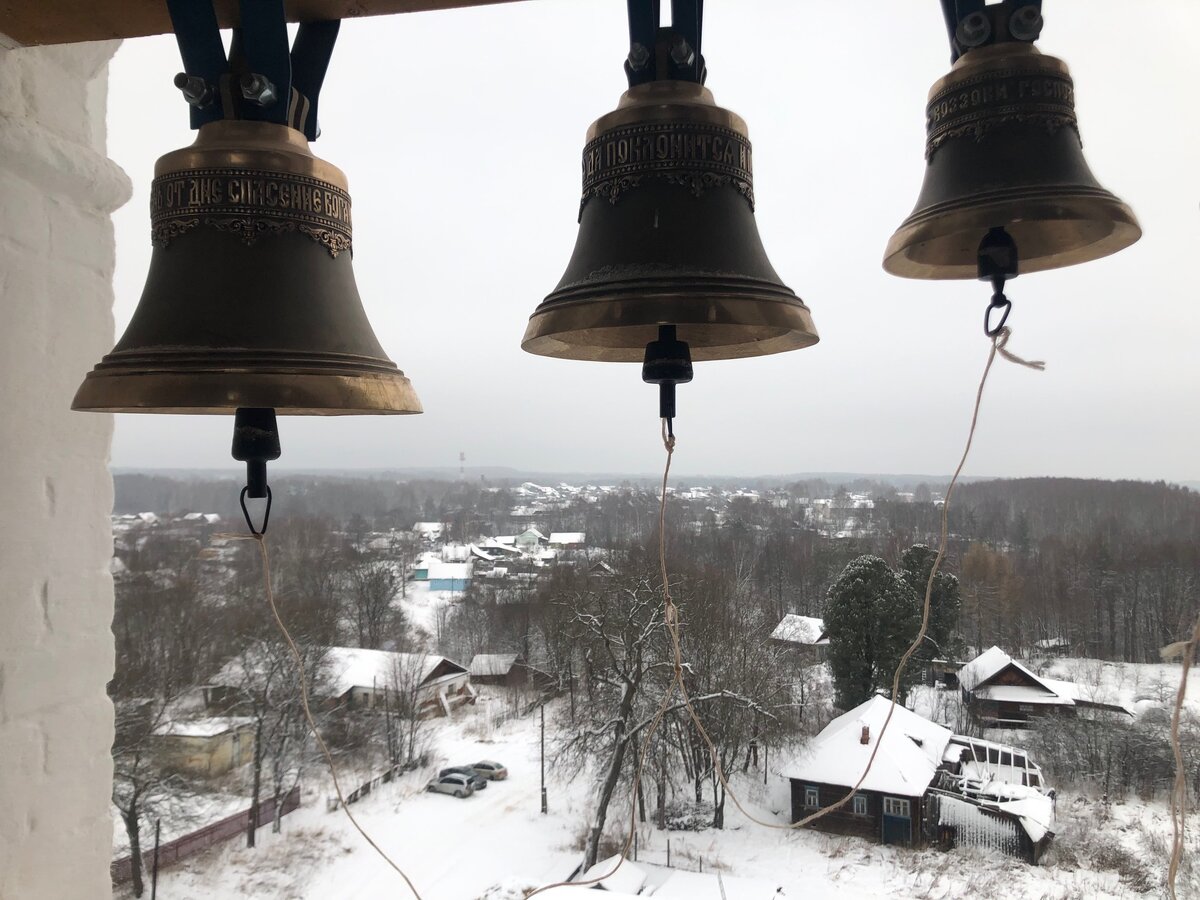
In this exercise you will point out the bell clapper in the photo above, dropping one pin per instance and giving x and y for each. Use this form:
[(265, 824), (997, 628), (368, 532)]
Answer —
[(255, 442), (668, 362), (997, 260)]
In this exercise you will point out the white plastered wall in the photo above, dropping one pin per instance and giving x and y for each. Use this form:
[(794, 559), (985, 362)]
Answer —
[(57, 190)]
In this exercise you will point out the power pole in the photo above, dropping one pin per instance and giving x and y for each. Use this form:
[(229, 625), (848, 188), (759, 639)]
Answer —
[(543, 711)]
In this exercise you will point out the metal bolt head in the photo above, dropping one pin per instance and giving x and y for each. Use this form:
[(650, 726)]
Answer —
[(638, 57), (974, 30), (1026, 23), (196, 91), (681, 51), (258, 89)]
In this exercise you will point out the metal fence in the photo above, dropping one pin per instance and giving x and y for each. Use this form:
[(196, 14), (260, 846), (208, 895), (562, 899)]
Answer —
[(173, 851)]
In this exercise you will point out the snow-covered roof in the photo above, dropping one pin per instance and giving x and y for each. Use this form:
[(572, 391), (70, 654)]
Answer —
[(987, 665), (905, 764), (531, 532), (800, 630), (202, 728), (429, 529), (492, 663), (568, 537), (356, 667), (438, 569), (1073, 691), (1022, 693), (629, 877)]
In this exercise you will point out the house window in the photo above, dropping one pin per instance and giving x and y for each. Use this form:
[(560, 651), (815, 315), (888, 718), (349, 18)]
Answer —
[(812, 797), (860, 805), (895, 806)]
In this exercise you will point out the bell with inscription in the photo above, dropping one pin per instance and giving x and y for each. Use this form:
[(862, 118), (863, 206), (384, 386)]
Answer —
[(1003, 151), (250, 301), (667, 238)]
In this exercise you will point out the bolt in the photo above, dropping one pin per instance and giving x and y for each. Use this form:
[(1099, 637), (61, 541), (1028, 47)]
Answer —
[(638, 57), (258, 89), (974, 30), (682, 52), (1026, 23), (196, 91)]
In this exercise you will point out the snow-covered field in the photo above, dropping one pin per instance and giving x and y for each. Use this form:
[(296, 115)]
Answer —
[(459, 849)]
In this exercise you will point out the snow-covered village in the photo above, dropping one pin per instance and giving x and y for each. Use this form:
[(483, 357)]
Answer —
[(599, 450), (485, 663)]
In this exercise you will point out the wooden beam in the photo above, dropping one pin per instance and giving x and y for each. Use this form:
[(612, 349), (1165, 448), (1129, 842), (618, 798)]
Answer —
[(35, 22)]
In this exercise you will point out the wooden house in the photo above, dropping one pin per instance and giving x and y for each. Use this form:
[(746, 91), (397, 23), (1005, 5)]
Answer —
[(372, 679), (804, 635), (1000, 692), (890, 805), (925, 786)]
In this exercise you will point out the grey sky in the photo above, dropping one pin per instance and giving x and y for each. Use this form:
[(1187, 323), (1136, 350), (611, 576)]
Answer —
[(461, 134)]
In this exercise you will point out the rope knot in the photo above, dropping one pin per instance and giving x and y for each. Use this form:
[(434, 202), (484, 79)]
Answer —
[(1000, 341)]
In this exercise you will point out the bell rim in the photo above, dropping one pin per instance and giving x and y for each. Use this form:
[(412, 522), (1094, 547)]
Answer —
[(222, 393), (976, 215), (769, 322)]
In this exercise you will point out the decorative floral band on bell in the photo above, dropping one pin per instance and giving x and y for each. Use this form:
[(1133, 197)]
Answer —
[(249, 204)]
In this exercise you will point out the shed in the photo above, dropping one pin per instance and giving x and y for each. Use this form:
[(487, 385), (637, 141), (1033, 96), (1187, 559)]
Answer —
[(210, 746), (506, 669), (449, 576), (568, 540)]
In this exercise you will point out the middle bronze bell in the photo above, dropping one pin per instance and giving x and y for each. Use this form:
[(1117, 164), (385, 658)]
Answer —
[(667, 237)]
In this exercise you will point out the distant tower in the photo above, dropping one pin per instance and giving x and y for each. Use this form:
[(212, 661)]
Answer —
[(462, 465)]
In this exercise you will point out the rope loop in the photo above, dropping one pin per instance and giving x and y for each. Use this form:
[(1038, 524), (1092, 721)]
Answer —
[(1002, 303), (257, 532)]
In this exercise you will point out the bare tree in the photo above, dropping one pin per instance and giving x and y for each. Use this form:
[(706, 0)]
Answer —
[(373, 587)]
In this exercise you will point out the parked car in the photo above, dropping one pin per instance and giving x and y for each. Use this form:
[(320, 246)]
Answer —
[(454, 784), (490, 769), (477, 782)]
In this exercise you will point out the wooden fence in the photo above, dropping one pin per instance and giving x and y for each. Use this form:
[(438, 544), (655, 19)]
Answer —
[(173, 851)]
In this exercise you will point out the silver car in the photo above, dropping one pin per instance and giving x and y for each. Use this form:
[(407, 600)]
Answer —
[(490, 769), (454, 784)]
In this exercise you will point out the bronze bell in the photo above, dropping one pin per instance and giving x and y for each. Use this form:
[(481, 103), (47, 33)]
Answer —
[(250, 300), (1003, 151), (667, 237)]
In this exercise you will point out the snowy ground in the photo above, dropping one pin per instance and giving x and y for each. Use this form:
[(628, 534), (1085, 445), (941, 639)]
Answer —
[(459, 849)]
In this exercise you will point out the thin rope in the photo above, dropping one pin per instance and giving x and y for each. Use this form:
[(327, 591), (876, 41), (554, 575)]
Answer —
[(668, 437), (1179, 787), (998, 343), (308, 717)]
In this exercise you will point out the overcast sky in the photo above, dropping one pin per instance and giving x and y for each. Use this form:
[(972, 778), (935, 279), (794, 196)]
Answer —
[(461, 134)]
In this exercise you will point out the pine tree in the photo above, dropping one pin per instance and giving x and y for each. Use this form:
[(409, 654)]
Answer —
[(871, 616), (941, 638)]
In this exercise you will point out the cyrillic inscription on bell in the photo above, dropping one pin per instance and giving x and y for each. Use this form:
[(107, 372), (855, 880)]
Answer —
[(250, 301), (1003, 150), (667, 237)]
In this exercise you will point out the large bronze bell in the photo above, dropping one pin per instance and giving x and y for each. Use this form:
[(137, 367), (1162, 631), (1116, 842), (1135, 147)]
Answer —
[(1003, 151), (250, 300), (667, 237)]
